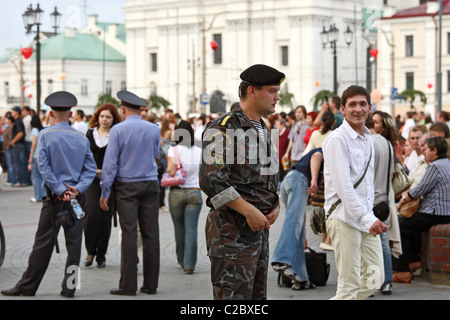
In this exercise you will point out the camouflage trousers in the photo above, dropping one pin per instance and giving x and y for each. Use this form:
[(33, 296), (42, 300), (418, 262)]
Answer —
[(239, 257)]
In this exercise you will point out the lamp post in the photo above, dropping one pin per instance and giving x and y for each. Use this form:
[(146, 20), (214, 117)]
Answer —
[(56, 20), (439, 73), (331, 37), (204, 30), (33, 17)]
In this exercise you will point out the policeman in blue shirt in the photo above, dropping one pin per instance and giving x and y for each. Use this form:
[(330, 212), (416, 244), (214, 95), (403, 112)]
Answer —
[(67, 168), (130, 160)]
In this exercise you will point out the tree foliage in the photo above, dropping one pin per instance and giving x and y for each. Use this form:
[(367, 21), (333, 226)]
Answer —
[(158, 102), (410, 96), (106, 98), (321, 97), (286, 98)]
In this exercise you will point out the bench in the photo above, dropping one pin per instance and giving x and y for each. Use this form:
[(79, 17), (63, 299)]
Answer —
[(436, 254)]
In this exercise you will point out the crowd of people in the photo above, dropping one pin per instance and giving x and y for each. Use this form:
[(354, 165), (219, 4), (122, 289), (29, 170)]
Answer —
[(417, 144)]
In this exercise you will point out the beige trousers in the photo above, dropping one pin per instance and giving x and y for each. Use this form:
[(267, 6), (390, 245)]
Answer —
[(359, 261)]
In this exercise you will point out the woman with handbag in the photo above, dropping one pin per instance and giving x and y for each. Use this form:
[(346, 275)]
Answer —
[(185, 200), (432, 197)]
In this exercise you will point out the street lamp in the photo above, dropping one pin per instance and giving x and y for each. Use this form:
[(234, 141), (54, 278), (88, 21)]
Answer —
[(33, 17), (56, 20), (332, 36), (204, 30)]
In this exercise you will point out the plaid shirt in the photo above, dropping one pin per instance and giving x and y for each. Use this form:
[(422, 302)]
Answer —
[(434, 189)]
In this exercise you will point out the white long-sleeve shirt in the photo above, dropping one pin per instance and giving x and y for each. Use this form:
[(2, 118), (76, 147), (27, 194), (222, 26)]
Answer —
[(346, 154)]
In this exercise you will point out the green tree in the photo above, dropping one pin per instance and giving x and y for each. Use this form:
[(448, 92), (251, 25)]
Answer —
[(410, 96), (158, 102), (106, 98), (321, 97), (286, 98)]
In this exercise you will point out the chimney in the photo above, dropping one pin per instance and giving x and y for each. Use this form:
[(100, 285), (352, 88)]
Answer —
[(70, 32), (389, 11), (113, 29), (92, 20), (432, 6)]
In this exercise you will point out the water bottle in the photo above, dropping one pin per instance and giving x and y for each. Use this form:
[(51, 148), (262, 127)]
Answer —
[(77, 208)]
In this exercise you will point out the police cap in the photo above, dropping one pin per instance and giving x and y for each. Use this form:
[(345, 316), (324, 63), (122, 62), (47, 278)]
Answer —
[(262, 75), (61, 101), (130, 100)]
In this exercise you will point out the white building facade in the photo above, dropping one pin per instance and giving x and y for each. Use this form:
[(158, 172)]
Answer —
[(408, 42), (87, 63), (165, 47)]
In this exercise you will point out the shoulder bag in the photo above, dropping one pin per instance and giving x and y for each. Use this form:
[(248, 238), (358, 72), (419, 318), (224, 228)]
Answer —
[(400, 182), (180, 175), (381, 210), (408, 209)]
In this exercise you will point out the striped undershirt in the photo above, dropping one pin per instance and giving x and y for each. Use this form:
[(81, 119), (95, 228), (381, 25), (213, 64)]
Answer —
[(260, 129)]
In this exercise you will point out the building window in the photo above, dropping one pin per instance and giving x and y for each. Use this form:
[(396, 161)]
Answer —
[(50, 86), (409, 46), (123, 85), (6, 89), (284, 55), (84, 87), (448, 43), (153, 62), (448, 81), (218, 52), (410, 80), (108, 88)]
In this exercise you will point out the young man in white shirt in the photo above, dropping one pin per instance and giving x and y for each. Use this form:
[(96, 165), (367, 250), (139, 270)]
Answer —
[(353, 227), (79, 124)]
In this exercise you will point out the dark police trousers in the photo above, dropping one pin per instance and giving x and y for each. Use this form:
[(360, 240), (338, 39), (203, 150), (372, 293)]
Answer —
[(44, 245), (138, 202)]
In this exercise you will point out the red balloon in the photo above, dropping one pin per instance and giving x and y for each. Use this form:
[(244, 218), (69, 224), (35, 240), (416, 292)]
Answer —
[(214, 45), (373, 53), (27, 52), (430, 86)]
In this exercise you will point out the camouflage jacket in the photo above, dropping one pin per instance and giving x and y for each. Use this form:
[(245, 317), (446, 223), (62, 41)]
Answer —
[(237, 163)]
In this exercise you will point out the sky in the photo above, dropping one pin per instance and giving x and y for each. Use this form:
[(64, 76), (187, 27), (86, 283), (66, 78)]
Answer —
[(74, 14)]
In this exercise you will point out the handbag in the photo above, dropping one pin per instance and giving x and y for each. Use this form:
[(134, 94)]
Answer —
[(180, 174), (400, 182), (318, 199), (317, 267), (381, 210), (409, 208), (317, 220)]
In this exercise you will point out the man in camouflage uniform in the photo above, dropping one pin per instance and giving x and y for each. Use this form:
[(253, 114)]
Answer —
[(239, 174)]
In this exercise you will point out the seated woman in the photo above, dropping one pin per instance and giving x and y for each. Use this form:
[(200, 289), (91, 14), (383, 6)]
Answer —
[(434, 208)]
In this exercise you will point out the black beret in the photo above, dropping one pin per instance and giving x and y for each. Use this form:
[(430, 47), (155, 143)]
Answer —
[(263, 75), (129, 99), (61, 101)]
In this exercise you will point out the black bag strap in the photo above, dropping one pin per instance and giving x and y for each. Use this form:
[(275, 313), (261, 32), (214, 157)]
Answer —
[(338, 202), (389, 169)]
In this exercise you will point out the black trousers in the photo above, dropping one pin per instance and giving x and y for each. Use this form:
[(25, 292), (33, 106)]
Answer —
[(44, 244), (138, 202), (411, 232), (98, 223)]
